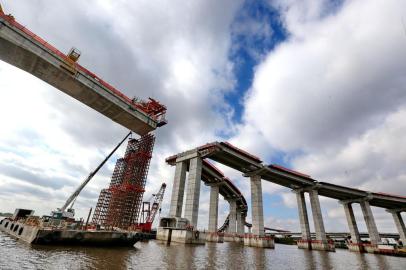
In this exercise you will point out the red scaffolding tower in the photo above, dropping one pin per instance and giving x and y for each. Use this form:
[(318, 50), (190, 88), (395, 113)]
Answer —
[(120, 204)]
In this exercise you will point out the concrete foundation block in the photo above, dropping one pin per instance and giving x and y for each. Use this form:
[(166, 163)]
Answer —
[(322, 245), (233, 238), (181, 236), (304, 244), (259, 241), (355, 247), (370, 248), (214, 237)]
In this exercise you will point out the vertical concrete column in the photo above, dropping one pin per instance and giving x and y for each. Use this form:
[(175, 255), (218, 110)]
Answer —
[(213, 208), (370, 222), (193, 190), (240, 222), (303, 218), (400, 225), (257, 206), (232, 218), (317, 216), (352, 223), (178, 190)]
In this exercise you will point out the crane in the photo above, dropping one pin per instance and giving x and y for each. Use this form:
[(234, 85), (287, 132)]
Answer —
[(67, 211), (152, 210)]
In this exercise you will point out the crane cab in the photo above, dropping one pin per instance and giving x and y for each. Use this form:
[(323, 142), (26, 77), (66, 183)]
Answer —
[(68, 214)]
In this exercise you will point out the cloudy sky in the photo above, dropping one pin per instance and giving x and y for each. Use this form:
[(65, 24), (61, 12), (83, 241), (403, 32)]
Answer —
[(315, 85)]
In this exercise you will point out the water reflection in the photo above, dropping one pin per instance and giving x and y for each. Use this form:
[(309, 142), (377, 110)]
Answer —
[(310, 261), (362, 262), (259, 255), (152, 255), (325, 260), (211, 255), (382, 262), (86, 257)]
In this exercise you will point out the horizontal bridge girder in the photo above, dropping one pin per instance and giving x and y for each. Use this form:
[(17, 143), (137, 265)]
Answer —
[(43, 61)]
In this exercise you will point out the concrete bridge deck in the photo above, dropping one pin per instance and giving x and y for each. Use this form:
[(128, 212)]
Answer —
[(248, 164), (23, 49)]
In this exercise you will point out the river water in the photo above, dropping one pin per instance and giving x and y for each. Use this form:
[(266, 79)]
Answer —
[(154, 255)]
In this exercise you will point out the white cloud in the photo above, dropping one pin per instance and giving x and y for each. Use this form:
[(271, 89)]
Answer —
[(331, 97), (176, 53)]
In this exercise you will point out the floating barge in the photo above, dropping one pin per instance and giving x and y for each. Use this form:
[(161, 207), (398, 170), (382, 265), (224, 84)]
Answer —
[(49, 231)]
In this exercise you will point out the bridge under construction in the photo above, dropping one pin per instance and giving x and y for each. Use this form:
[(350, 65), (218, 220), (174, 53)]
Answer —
[(119, 206), (23, 49), (195, 161)]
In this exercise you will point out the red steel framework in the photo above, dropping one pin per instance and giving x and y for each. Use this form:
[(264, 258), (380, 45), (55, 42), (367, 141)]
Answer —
[(120, 204)]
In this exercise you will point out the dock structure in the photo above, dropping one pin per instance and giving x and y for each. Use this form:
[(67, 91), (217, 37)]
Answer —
[(23, 49)]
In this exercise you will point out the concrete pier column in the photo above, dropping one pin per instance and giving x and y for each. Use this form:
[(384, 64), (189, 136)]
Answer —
[(178, 190), (356, 244), (370, 222), (240, 222), (257, 238), (317, 216), (213, 208), (257, 206), (304, 220), (400, 225), (193, 190), (321, 242), (352, 223), (232, 218)]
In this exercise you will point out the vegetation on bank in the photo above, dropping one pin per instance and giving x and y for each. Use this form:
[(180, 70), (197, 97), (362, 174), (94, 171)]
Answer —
[(5, 214)]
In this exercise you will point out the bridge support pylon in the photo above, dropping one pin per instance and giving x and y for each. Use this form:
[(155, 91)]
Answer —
[(212, 235), (306, 240), (355, 243), (371, 226), (240, 222), (193, 191), (321, 242), (177, 229), (400, 225), (257, 238), (178, 189)]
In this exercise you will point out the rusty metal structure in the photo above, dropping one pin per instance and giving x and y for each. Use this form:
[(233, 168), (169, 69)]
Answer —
[(120, 204)]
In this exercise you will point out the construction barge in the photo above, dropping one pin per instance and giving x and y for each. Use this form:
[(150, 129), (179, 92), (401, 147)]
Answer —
[(49, 231)]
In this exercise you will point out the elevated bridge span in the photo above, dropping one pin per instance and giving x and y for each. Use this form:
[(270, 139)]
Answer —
[(25, 50), (253, 168)]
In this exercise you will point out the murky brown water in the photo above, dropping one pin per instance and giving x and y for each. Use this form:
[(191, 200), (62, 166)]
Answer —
[(153, 255)]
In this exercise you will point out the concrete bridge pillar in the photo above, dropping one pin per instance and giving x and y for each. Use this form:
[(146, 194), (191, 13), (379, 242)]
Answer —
[(304, 220), (355, 244), (370, 222), (321, 237), (193, 190), (213, 208), (232, 219), (178, 190), (400, 225), (257, 206), (240, 222), (257, 238)]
